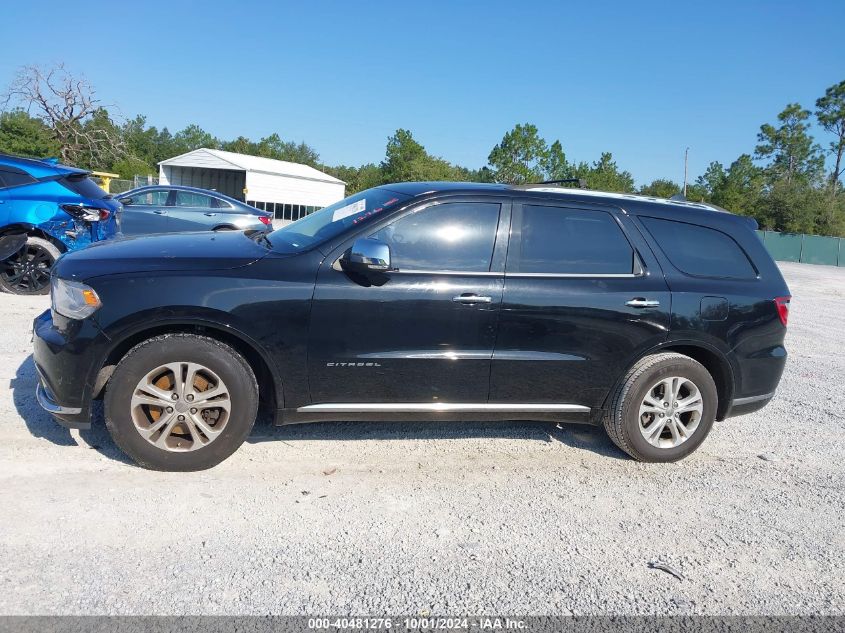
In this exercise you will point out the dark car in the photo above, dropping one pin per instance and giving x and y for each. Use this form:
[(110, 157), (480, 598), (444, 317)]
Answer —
[(171, 209), (422, 301), (47, 209)]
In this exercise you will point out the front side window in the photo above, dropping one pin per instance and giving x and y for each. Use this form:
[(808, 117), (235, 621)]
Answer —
[(454, 236), (555, 240), (699, 250), (154, 198)]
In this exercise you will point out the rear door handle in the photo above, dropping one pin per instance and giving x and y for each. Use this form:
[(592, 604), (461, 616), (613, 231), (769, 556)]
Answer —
[(471, 298), (639, 302), (160, 212), (210, 215)]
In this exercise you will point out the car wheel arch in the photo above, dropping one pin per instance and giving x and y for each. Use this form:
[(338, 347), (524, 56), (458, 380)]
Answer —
[(270, 384), (713, 360), (33, 231)]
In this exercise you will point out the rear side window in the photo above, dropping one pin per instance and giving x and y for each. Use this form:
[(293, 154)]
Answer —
[(191, 199), (699, 250), (555, 240), (82, 185), (14, 178)]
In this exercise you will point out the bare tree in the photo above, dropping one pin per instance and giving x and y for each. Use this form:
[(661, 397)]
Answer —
[(68, 106)]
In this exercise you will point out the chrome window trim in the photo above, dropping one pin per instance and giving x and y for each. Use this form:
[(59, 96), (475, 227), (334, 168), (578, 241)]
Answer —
[(577, 275), (447, 272), (518, 275), (434, 407)]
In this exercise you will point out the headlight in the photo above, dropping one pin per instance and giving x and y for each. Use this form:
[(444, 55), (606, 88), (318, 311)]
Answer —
[(73, 299)]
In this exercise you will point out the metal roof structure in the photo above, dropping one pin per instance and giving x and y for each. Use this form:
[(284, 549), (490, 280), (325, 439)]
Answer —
[(219, 159)]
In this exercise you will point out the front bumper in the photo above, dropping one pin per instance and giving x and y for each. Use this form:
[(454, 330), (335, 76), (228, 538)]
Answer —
[(65, 356), (49, 404)]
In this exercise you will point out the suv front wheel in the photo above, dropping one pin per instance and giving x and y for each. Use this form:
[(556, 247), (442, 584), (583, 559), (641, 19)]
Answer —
[(663, 409), (181, 402)]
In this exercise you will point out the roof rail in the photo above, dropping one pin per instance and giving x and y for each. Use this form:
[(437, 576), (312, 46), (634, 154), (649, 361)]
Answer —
[(582, 184)]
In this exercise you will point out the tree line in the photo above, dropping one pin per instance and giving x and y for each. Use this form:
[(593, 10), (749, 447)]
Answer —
[(785, 183)]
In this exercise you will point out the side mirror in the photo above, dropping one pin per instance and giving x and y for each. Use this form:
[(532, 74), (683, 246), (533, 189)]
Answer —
[(127, 200), (367, 256)]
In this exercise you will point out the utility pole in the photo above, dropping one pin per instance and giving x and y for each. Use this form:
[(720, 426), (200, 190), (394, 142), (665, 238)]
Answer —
[(686, 158)]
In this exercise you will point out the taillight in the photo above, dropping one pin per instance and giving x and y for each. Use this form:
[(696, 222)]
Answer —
[(782, 304), (265, 219), (86, 213)]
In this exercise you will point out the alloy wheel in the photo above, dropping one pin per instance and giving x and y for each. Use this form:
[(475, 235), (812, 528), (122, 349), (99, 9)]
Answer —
[(28, 271), (670, 412), (180, 406)]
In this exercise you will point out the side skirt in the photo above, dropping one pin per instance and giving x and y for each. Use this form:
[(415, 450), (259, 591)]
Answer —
[(433, 412)]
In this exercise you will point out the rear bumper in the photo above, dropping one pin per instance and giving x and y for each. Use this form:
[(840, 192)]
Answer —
[(741, 406), (760, 373)]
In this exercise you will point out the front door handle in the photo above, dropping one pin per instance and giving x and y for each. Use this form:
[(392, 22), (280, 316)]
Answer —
[(639, 302), (471, 298), (210, 215), (160, 212)]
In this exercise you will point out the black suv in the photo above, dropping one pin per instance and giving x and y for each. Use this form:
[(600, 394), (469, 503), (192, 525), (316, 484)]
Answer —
[(422, 301)]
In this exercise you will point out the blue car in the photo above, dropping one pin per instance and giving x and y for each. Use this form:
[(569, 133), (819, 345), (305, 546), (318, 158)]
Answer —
[(175, 209), (47, 209)]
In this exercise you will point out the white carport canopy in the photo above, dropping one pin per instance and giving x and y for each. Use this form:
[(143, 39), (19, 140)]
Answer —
[(274, 185)]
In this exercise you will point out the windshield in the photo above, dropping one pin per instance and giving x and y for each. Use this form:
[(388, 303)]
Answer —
[(331, 221)]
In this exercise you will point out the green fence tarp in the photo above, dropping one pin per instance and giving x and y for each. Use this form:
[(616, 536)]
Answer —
[(819, 249), (784, 247)]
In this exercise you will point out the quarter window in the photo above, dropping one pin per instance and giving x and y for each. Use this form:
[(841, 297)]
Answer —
[(454, 236), (82, 185), (217, 203), (9, 178), (699, 250), (555, 240)]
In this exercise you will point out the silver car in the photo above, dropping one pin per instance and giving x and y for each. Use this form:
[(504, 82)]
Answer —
[(173, 209)]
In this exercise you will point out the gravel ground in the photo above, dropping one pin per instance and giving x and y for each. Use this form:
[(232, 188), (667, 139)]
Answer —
[(441, 518)]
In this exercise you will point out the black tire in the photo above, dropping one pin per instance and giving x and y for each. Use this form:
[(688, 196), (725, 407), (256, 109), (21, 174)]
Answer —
[(38, 255), (622, 418), (210, 353)]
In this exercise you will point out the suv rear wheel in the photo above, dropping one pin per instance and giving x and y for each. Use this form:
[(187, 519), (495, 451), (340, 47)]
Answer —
[(663, 409), (181, 402)]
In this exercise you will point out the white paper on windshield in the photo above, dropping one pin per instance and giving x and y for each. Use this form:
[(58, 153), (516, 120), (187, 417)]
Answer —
[(349, 209)]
